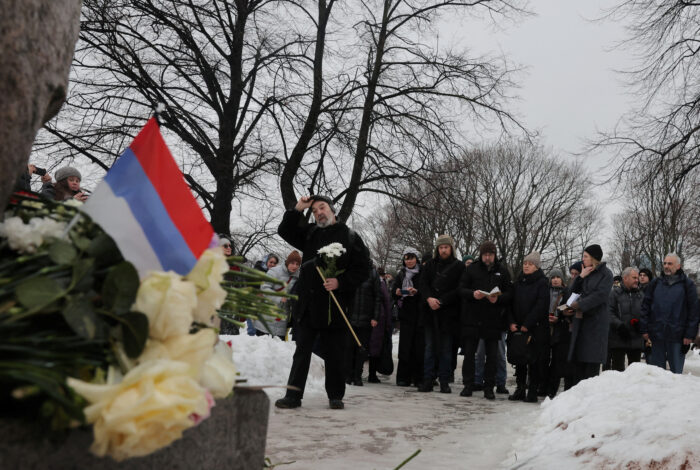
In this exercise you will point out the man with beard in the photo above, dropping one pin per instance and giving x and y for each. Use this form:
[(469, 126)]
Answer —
[(440, 299), (315, 313), (669, 315), (483, 316)]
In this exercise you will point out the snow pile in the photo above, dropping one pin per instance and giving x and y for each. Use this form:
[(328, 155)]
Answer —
[(645, 417), (263, 360)]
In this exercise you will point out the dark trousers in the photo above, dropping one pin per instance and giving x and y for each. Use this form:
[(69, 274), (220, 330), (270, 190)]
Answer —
[(355, 356), (411, 350), (618, 357), (560, 367), (585, 370), (438, 347), (332, 341), (469, 347)]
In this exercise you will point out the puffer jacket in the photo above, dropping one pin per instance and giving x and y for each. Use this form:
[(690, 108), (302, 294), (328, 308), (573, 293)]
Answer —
[(625, 306)]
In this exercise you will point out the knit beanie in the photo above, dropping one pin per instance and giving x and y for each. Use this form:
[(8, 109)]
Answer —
[(466, 258), (325, 199), (556, 272), (577, 266), (533, 258), (648, 272), (487, 247), (595, 251), (67, 171), (294, 256)]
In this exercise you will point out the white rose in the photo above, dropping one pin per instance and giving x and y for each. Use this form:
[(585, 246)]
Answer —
[(47, 227), (219, 372), (207, 275), (193, 349), (168, 302), (20, 236)]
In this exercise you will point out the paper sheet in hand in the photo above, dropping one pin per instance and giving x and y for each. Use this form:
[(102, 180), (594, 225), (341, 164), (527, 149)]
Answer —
[(574, 297), (494, 291)]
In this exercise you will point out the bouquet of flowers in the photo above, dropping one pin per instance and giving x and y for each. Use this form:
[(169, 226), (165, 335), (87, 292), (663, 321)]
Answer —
[(329, 267), (84, 341)]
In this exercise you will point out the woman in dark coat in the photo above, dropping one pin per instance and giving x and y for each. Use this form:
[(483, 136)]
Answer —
[(591, 322), (559, 335), (404, 291), (529, 315)]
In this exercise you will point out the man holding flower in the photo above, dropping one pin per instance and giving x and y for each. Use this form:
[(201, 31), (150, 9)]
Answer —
[(345, 265)]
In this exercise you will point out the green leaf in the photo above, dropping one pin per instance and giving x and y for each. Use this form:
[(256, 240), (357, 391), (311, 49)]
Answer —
[(62, 252), (82, 319), (81, 242), (38, 291), (82, 274), (134, 333), (104, 250), (120, 287)]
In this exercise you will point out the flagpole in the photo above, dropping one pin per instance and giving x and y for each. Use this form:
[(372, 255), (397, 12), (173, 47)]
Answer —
[(340, 308)]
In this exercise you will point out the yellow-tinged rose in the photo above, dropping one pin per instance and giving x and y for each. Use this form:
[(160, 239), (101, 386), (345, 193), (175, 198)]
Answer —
[(219, 372), (168, 302), (194, 349), (151, 407), (207, 275)]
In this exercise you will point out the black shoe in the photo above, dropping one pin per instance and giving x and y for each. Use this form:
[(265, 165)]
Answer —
[(531, 396), (466, 392), (478, 387), (518, 395), (541, 391), (357, 382), (445, 388), (501, 389), (488, 393), (348, 381), (288, 402), (336, 404), (401, 383), (373, 379), (426, 387)]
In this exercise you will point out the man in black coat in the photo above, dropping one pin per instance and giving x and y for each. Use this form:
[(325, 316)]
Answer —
[(440, 300), (483, 316), (363, 316), (315, 315), (625, 304)]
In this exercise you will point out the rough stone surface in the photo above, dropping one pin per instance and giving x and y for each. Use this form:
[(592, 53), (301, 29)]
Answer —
[(37, 40), (233, 437)]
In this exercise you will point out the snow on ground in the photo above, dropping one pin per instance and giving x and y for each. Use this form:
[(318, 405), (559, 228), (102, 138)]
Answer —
[(642, 418), (645, 417)]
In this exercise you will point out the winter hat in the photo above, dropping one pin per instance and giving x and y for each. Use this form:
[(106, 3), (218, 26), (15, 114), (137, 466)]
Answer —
[(595, 251), (466, 258), (556, 272), (648, 272), (294, 256), (445, 240), (487, 247), (325, 199), (67, 171), (410, 251), (578, 266), (533, 258)]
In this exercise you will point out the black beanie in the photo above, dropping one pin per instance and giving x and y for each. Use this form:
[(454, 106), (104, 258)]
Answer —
[(595, 251), (325, 199), (648, 272)]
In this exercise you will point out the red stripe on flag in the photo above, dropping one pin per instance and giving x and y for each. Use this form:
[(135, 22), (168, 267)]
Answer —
[(160, 167)]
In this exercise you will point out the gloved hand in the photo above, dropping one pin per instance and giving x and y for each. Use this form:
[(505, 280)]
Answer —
[(624, 331)]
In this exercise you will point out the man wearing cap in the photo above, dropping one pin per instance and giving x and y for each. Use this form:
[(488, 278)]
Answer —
[(483, 316), (311, 312), (591, 322), (669, 315), (440, 300)]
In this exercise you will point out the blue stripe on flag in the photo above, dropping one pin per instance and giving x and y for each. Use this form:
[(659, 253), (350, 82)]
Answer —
[(127, 180)]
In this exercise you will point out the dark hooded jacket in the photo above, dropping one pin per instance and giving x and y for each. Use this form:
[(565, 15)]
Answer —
[(531, 304), (481, 318), (589, 333), (314, 303), (670, 308), (367, 304), (440, 279), (625, 306)]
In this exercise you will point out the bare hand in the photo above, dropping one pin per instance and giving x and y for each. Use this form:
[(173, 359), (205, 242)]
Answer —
[(513, 327), (586, 271), (331, 284), (433, 303), (523, 329), (493, 299), (412, 291), (478, 295), (304, 202), (553, 319), (373, 323), (398, 292), (46, 178), (687, 341), (80, 197), (31, 168), (645, 336)]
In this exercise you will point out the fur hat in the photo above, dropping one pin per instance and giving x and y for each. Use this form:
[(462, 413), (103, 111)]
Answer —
[(556, 272), (294, 256), (444, 240), (595, 251), (67, 171), (533, 258), (325, 199), (487, 247)]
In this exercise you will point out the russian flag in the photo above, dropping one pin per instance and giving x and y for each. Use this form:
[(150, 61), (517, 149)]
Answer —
[(144, 204)]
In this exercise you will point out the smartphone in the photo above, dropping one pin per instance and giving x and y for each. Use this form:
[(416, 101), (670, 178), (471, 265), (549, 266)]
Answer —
[(39, 171), (405, 292)]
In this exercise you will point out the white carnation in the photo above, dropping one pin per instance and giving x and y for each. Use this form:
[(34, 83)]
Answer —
[(26, 238), (333, 250)]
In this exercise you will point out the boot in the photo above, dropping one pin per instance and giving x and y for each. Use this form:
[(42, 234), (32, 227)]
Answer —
[(288, 403), (336, 404), (502, 390), (488, 393), (531, 395), (445, 387), (373, 379), (518, 395), (466, 392)]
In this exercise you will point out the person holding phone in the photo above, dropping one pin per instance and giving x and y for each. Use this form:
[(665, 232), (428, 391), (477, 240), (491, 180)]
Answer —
[(67, 186), (411, 340), (24, 181)]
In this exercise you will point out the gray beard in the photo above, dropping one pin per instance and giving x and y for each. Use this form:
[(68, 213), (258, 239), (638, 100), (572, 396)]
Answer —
[(324, 224)]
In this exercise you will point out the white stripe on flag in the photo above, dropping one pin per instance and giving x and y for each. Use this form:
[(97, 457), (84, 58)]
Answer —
[(113, 214)]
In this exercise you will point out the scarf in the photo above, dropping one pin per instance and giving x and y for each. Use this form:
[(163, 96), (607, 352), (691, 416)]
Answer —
[(408, 279)]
